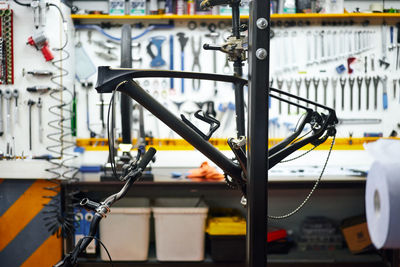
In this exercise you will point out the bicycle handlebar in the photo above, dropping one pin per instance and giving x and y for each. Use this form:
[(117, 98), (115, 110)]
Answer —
[(103, 208)]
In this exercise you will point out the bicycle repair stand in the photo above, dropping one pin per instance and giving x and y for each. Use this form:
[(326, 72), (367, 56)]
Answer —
[(257, 160)]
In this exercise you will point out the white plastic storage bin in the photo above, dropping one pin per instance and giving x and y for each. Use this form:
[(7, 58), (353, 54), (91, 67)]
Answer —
[(125, 233), (179, 229)]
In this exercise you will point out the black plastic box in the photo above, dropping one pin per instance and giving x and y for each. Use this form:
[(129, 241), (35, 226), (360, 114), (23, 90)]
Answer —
[(228, 247)]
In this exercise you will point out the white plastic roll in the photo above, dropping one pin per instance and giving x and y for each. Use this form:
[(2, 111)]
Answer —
[(382, 203)]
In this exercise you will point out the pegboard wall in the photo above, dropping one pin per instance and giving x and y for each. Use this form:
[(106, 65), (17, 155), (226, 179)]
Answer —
[(291, 50)]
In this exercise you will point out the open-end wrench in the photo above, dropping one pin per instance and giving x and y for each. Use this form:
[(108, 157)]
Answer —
[(289, 83), (375, 79), (334, 85), (308, 40), (182, 41), (372, 62), (214, 36), (286, 40), (307, 82), (334, 48), (196, 62), (7, 97), (394, 88), (342, 85), (315, 47), (328, 45), (280, 84), (359, 84), (322, 34), (316, 84), (16, 95), (367, 83), (1, 113), (384, 92), (30, 104), (325, 86), (298, 85), (39, 106), (351, 83)]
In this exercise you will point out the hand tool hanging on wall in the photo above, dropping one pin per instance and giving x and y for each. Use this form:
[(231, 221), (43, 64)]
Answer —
[(171, 60), (7, 97), (39, 106), (308, 40), (38, 89), (367, 83), (214, 37), (196, 62), (398, 45), (382, 61), (156, 60), (136, 55), (40, 42), (394, 88), (375, 79), (182, 41), (342, 85), (392, 46), (359, 84), (298, 85), (30, 104), (351, 84), (1, 113), (325, 82), (307, 82), (41, 73), (384, 92), (16, 115), (316, 84), (289, 83), (334, 85), (280, 84)]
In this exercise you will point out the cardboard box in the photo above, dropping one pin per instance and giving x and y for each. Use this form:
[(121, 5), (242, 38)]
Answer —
[(355, 231)]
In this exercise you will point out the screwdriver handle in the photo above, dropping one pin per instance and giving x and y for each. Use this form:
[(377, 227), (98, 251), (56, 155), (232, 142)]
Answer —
[(385, 101), (398, 33)]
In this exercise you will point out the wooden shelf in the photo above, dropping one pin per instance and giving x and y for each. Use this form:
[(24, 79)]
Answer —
[(226, 17)]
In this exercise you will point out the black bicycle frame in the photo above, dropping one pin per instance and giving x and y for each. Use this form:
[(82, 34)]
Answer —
[(109, 79)]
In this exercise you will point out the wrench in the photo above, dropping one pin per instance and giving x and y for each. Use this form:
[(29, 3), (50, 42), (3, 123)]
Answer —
[(298, 85), (7, 97), (359, 84), (325, 85), (342, 85), (334, 51), (289, 87), (376, 84), (183, 41), (367, 83), (39, 106), (394, 88), (384, 92), (315, 47), (351, 83), (156, 60), (334, 85), (16, 95), (322, 34), (316, 84), (214, 36), (196, 63), (280, 84), (307, 82), (308, 38)]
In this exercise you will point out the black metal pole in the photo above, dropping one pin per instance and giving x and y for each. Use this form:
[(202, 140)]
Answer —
[(126, 102), (257, 144)]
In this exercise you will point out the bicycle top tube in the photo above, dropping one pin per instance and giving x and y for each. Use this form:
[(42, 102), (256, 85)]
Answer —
[(108, 78)]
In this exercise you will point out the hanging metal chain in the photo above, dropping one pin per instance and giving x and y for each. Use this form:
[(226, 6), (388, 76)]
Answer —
[(312, 190)]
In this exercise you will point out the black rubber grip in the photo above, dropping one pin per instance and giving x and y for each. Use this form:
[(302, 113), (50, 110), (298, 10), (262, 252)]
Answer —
[(398, 32), (147, 157)]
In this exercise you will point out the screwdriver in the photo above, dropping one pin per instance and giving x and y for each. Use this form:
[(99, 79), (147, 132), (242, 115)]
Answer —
[(37, 72), (38, 89)]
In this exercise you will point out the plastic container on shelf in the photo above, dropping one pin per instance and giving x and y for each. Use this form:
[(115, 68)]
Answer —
[(227, 238), (125, 232), (179, 229)]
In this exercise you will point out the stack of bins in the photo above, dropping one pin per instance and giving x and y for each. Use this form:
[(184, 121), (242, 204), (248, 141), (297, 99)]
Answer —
[(227, 238), (179, 229), (126, 232)]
